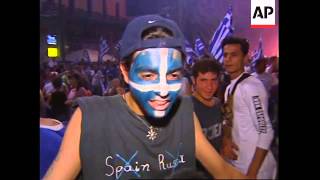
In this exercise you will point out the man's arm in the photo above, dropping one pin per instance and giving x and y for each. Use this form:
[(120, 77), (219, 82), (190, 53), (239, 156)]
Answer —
[(256, 99), (257, 161), (210, 159), (228, 146), (67, 165)]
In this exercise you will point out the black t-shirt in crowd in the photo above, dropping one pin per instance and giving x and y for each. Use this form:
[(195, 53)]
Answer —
[(210, 119), (114, 142)]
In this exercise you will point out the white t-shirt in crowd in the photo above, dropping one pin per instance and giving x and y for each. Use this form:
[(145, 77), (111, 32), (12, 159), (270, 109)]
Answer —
[(251, 125)]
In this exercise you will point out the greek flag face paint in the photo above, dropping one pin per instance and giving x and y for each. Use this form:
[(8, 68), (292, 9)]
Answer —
[(155, 79)]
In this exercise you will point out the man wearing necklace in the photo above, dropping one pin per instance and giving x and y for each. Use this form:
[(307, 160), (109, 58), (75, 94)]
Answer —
[(149, 132)]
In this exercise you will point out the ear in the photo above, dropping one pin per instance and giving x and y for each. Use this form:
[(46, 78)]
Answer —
[(246, 59), (125, 73), (193, 80)]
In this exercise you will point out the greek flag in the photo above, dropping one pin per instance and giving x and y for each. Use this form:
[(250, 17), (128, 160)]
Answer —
[(199, 47), (85, 56), (117, 46), (103, 48), (225, 29), (190, 52), (258, 53)]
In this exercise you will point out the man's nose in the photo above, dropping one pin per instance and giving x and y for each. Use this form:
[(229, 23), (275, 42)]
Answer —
[(164, 90)]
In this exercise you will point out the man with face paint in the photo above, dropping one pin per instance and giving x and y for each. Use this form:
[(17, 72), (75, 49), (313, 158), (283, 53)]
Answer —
[(155, 79), (149, 132)]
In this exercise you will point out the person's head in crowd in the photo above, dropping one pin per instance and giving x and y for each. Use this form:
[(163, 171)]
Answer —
[(57, 83), (205, 77), (76, 81), (60, 68), (48, 76), (235, 55), (274, 62), (78, 67), (260, 65), (99, 74), (152, 54), (115, 82)]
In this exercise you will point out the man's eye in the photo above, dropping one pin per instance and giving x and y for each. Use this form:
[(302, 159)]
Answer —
[(234, 54), (148, 76), (174, 76)]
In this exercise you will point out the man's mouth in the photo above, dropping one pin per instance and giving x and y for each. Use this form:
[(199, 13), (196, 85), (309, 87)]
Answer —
[(209, 94), (159, 105)]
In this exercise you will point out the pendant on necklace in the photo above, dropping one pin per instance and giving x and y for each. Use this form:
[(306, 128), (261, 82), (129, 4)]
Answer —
[(152, 134)]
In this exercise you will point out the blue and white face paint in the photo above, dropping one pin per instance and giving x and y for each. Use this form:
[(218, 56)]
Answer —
[(155, 79)]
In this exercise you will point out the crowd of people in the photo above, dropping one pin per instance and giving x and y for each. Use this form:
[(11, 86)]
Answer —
[(229, 111), (63, 83)]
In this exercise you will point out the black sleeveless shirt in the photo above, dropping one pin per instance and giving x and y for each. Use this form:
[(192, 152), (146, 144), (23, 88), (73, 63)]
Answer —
[(210, 119), (114, 142)]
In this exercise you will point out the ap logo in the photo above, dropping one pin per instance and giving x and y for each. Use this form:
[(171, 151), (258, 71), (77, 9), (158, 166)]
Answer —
[(263, 13)]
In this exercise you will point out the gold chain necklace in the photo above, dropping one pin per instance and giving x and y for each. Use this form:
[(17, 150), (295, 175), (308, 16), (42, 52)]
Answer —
[(152, 131)]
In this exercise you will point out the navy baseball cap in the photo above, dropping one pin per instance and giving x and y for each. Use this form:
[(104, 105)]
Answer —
[(132, 41)]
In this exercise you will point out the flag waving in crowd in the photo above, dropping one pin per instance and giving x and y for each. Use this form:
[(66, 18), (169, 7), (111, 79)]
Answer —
[(225, 29), (190, 52), (103, 48), (117, 46), (258, 53), (199, 47)]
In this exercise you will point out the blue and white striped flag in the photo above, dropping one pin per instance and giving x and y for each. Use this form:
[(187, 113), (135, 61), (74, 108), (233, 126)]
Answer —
[(190, 52), (117, 46), (225, 29), (85, 56), (257, 53), (199, 47), (103, 48)]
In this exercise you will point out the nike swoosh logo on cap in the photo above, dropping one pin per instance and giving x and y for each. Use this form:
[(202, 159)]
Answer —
[(151, 22)]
